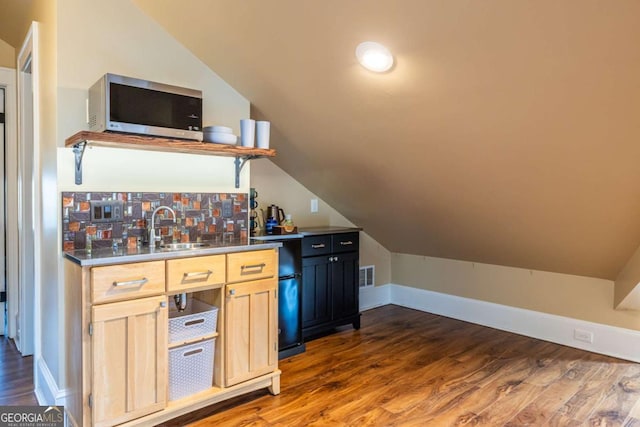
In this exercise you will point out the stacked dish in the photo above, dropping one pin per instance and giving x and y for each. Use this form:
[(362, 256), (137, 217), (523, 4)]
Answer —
[(219, 135)]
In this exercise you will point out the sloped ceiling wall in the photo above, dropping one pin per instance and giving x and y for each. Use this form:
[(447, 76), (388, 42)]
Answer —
[(507, 133), (15, 20)]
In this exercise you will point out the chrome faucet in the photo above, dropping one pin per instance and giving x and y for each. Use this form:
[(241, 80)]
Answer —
[(153, 239)]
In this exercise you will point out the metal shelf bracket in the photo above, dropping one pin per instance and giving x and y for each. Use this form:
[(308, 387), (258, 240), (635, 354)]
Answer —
[(78, 151), (240, 162)]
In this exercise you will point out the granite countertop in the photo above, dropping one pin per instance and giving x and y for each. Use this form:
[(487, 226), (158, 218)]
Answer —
[(109, 256), (269, 237), (305, 231), (317, 231)]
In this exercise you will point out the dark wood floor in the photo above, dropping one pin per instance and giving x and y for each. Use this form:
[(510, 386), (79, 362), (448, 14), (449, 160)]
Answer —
[(408, 368), (16, 376)]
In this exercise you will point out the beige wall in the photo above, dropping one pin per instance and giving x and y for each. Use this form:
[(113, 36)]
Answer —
[(627, 291), (275, 186), (577, 297), (115, 36), (7, 55), (51, 325), (43, 64)]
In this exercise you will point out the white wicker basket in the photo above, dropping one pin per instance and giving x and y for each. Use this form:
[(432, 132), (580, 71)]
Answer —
[(197, 320), (191, 368)]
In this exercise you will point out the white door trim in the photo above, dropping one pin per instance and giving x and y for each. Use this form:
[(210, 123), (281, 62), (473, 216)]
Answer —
[(30, 292), (8, 80)]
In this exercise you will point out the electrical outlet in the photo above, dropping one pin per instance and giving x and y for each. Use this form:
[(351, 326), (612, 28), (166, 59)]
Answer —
[(314, 205), (582, 335), (227, 208), (107, 210)]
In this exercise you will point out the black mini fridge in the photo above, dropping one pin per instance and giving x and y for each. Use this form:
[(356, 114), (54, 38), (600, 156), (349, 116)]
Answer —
[(290, 298)]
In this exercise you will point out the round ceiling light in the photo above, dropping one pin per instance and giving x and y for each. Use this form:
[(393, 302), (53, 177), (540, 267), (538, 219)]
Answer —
[(374, 56)]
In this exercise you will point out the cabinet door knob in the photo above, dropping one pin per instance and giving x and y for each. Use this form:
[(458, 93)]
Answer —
[(232, 292), (163, 304)]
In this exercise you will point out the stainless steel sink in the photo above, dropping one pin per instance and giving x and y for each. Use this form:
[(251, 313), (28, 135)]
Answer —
[(183, 246)]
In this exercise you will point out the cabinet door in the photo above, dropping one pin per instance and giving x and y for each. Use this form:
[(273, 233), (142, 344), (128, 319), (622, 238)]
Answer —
[(316, 291), (129, 356), (251, 323), (344, 284)]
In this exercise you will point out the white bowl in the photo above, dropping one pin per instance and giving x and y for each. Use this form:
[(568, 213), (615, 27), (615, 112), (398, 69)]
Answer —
[(218, 129), (220, 137)]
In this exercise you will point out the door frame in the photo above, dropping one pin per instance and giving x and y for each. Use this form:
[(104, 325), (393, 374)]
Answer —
[(29, 301), (9, 204)]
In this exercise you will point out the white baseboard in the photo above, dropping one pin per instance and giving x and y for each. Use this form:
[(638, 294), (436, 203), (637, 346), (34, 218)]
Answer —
[(46, 388), (374, 296), (608, 340)]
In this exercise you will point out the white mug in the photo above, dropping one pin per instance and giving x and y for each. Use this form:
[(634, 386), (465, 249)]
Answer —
[(262, 134), (247, 132)]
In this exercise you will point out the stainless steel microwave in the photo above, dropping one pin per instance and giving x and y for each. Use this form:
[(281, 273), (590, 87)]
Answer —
[(129, 105)]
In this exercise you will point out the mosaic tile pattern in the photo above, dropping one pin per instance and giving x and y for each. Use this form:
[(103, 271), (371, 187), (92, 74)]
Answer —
[(200, 218)]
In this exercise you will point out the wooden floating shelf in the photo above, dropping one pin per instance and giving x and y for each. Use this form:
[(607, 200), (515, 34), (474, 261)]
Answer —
[(150, 143), (82, 139)]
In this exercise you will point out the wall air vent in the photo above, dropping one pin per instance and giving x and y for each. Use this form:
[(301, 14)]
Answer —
[(367, 275)]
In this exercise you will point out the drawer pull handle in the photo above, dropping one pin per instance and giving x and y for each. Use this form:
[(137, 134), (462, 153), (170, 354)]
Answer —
[(253, 266), (232, 292), (193, 352), (194, 322), (318, 246), (198, 273), (347, 243), (131, 282)]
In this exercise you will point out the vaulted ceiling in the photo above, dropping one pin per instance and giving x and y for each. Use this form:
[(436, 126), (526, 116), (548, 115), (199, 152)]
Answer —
[(14, 20), (507, 133)]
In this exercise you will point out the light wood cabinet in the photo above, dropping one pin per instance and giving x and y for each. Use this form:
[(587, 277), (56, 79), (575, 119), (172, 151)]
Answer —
[(117, 322), (189, 274), (252, 330), (129, 363), (251, 265), (127, 281)]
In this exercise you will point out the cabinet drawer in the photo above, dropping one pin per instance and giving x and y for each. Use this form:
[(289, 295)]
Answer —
[(345, 242), (190, 273), (251, 265), (127, 281), (316, 245)]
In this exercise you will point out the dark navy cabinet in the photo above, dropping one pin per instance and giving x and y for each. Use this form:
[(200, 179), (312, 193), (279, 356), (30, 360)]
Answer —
[(329, 282)]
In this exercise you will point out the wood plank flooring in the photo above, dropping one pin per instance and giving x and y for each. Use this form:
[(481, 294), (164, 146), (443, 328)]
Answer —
[(16, 376), (409, 368)]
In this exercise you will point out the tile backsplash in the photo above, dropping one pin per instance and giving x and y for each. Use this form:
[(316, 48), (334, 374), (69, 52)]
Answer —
[(200, 217)]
